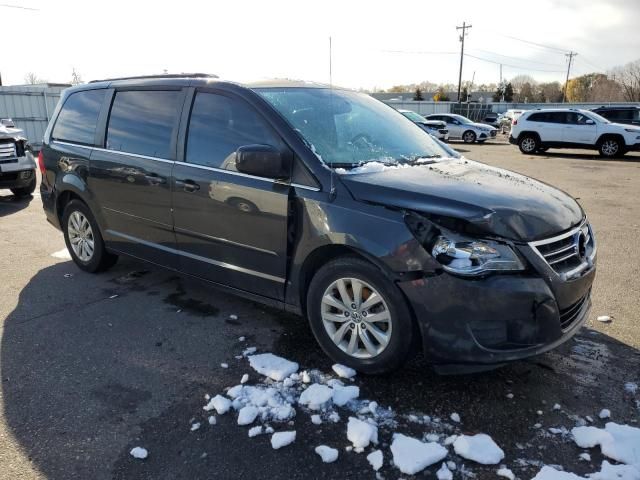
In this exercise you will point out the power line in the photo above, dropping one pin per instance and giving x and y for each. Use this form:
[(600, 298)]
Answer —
[(518, 58), (519, 67), (419, 52), (464, 28), (6, 5), (534, 43), (583, 59)]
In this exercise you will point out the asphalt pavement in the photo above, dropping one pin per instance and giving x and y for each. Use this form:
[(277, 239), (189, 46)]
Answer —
[(93, 365)]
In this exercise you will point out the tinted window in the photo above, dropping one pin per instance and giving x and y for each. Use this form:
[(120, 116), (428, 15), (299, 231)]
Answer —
[(142, 122), (218, 126), (556, 117), (537, 117), (576, 118), (78, 117)]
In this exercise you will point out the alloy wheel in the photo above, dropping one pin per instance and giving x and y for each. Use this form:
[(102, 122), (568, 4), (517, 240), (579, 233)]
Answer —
[(610, 148), (356, 318), (80, 236), (528, 144), (469, 137)]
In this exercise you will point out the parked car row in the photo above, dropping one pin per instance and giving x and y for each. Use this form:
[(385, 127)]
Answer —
[(538, 130), (445, 126)]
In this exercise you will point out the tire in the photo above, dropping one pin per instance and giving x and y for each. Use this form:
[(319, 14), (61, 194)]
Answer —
[(25, 191), (528, 144), (74, 228), (469, 136), (610, 147), (382, 357)]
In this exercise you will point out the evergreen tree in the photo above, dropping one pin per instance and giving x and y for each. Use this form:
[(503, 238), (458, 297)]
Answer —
[(418, 95)]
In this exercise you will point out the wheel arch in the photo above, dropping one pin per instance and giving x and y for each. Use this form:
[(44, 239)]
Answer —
[(617, 136), (529, 132)]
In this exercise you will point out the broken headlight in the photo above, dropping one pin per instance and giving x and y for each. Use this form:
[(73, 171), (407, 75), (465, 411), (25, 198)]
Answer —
[(474, 257)]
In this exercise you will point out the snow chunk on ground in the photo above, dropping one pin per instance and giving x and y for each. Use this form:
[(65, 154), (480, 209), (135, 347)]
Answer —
[(480, 448), (604, 318), (139, 452), (548, 473), (375, 459), (282, 439), (195, 426), (343, 371), (557, 406), (585, 456), (272, 366), (605, 413), (444, 473), (212, 420), (616, 472), (247, 415), (245, 378), (224, 365), (62, 254), (316, 419), (455, 417), (631, 387), (411, 455), (316, 396), (255, 431), (342, 395), (327, 454), (220, 403), (505, 472), (618, 442), (360, 433)]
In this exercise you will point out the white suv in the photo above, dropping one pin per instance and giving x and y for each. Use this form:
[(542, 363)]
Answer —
[(538, 130)]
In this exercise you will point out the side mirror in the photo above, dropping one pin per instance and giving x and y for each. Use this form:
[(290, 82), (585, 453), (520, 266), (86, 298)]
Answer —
[(589, 122), (262, 161)]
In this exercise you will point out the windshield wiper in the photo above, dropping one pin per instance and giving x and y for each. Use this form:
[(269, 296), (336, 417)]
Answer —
[(423, 159)]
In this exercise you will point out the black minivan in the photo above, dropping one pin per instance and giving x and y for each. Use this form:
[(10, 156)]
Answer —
[(323, 202)]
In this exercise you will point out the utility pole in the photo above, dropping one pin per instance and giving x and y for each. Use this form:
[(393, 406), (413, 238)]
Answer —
[(570, 56), (464, 28)]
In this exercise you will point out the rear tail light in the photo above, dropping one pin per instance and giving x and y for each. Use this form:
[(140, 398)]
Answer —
[(515, 121), (43, 170)]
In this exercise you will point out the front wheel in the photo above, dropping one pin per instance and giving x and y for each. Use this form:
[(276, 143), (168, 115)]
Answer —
[(610, 147), (469, 136), (25, 191), (528, 144), (359, 317), (84, 240)]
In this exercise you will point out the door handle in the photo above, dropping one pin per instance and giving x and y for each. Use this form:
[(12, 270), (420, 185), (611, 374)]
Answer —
[(155, 179), (188, 185)]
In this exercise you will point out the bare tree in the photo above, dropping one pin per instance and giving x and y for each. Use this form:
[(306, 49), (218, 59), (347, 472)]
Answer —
[(32, 79), (629, 77), (76, 78)]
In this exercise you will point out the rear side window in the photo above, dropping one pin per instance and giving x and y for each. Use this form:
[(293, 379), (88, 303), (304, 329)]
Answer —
[(142, 122), (218, 126), (537, 117), (78, 117)]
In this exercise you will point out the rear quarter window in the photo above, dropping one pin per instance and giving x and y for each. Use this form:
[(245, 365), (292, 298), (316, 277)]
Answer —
[(78, 117), (142, 122)]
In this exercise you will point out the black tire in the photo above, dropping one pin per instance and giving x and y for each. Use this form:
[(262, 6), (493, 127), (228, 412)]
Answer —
[(101, 259), (399, 347), (528, 144), (469, 136), (25, 191), (611, 147)]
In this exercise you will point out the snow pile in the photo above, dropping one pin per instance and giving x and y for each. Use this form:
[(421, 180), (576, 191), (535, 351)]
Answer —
[(616, 472), (618, 442), (220, 403), (139, 452), (480, 448), (255, 431), (282, 439), (444, 473), (360, 433), (272, 366), (247, 415), (327, 454), (316, 396), (342, 395), (62, 254), (411, 455), (549, 473), (343, 371), (270, 403), (375, 459)]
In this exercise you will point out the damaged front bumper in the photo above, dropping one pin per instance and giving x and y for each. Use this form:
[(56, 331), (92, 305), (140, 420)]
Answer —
[(17, 165)]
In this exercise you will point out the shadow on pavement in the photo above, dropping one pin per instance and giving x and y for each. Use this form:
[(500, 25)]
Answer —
[(93, 365), (10, 204)]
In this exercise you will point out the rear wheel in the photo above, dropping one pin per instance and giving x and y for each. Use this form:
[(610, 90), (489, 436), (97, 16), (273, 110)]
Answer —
[(84, 240), (528, 144), (25, 191), (610, 147), (469, 136), (359, 317)]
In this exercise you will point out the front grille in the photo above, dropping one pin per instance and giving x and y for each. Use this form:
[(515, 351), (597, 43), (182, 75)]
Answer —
[(570, 314), (569, 254), (8, 150), (8, 176)]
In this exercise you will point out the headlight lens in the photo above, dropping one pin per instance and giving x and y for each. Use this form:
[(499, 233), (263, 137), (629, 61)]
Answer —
[(475, 257)]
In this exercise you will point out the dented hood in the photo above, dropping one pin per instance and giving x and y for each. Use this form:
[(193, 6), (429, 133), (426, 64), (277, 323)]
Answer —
[(11, 132), (497, 201)]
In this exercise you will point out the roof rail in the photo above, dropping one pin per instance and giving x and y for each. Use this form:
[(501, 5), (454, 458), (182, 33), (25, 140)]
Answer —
[(164, 75)]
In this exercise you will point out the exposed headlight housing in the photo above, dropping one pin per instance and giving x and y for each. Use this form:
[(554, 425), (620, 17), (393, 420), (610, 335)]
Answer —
[(475, 257)]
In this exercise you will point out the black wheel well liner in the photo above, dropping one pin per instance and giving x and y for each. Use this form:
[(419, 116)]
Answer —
[(529, 132), (63, 199)]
